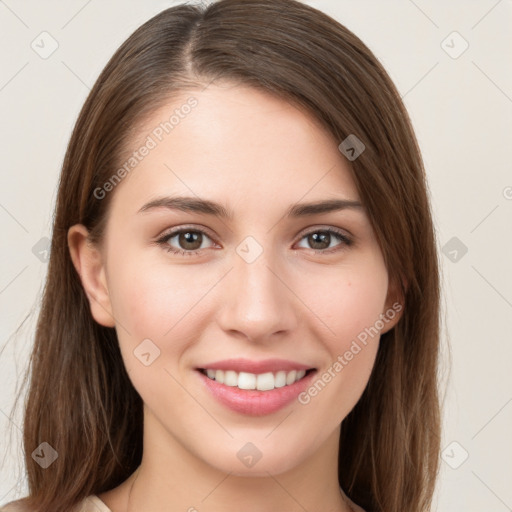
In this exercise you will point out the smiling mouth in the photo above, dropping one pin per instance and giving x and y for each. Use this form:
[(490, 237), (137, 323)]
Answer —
[(252, 381)]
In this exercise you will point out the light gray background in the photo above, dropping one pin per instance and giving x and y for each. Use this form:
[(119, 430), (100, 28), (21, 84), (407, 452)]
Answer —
[(461, 109)]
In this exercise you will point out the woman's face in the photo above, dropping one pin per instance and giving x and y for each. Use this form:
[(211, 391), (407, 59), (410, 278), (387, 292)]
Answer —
[(189, 288)]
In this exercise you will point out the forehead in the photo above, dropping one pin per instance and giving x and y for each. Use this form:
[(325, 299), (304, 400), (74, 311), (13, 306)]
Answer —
[(236, 144)]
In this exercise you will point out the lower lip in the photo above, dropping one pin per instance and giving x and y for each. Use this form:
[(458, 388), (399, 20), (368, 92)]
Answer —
[(253, 402)]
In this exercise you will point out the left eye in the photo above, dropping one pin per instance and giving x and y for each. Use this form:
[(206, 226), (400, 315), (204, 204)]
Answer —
[(325, 236), (191, 241)]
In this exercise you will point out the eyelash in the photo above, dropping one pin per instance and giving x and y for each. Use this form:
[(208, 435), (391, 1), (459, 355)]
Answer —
[(163, 241)]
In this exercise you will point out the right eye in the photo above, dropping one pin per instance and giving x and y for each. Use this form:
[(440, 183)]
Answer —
[(189, 241)]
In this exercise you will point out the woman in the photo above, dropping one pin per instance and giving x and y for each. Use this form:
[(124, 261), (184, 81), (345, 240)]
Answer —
[(242, 301)]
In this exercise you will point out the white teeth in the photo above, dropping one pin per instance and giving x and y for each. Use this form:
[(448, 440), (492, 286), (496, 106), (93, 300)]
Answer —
[(290, 378), (261, 382), (280, 379), (246, 380), (230, 378), (265, 381)]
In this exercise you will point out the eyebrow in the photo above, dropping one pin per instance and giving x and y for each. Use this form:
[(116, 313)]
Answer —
[(204, 206)]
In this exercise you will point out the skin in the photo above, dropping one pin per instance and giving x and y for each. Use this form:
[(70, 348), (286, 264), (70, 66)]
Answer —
[(258, 156)]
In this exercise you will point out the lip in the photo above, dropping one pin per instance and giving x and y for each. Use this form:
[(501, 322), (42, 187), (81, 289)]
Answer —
[(247, 365), (253, 402)]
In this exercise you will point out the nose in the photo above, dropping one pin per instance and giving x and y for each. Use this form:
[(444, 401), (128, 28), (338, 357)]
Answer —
[(259, 302)]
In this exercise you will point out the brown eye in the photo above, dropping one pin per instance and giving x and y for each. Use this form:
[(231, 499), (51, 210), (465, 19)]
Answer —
[(189, 240), (186, 241), (321, 239)]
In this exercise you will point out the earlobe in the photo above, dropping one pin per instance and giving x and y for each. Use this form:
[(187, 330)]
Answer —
[(88, 262), (394, 308)]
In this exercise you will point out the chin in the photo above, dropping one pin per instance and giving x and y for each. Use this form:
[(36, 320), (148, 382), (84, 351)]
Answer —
[(250, 461)]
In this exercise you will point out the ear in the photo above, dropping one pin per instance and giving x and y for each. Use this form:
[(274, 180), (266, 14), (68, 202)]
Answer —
[(88, 262), (395, 304)]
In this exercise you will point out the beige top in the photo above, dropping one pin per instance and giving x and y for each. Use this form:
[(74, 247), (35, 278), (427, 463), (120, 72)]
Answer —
[(356, 508), (93, 504), (90, 504)]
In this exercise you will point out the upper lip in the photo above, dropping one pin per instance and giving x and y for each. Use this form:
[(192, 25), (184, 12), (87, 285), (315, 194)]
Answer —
[(247, 365)]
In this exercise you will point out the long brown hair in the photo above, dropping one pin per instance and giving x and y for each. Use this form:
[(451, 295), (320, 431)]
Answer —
[(389, 444)]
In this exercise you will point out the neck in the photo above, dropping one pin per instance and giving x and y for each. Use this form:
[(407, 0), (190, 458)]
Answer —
[(171, 477)]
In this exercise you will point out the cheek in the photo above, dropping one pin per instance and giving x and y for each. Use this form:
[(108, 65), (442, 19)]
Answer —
[(154, 327), (157, 302), (352, 307), (352, 300)]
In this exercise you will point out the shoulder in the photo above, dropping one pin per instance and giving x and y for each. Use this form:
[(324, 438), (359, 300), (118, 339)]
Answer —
[(354, 506), (94, 504), (15, 506), (90, 504)]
